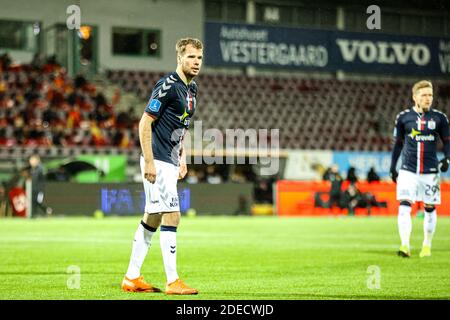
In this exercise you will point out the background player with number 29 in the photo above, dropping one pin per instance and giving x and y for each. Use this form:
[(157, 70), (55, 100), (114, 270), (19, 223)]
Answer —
[(416, 132)]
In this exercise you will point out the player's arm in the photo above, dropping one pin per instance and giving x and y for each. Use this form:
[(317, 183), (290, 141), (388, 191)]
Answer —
[(145, 138), (444, 133), (183, 163), (398, 141), (159, 99)]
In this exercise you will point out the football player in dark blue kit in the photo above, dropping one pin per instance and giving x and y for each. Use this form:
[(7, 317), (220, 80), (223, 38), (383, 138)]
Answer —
[(417, 131), (163, 162)]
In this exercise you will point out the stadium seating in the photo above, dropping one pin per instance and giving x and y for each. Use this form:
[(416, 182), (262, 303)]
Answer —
[(43, 106), (310, 113)]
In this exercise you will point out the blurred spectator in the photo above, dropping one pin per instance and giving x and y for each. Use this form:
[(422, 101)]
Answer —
[(5, 208), (80, 81), (354, 198), (191, 176), (351, 175), (125, 119), (52, 60), (36, 174), (372, 176), (38, 61), (262, 192), (74, 117), (238, 177), (5, 61), (212, 176), (332, 175)]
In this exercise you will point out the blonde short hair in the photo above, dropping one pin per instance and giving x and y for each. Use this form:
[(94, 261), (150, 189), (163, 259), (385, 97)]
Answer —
[(421, 84), (180, 47)]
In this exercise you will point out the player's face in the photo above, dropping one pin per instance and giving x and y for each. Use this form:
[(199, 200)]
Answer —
[(34, 161), (424, 98), (191, 61)]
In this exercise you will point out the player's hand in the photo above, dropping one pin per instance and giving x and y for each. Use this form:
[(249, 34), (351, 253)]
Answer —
[(443, 164), (394, 174), (183, 171), (150, 171)]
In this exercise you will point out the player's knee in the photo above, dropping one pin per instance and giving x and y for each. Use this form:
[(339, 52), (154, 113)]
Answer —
[(405, 203), (152, 220), (429, 207), (171, 219)]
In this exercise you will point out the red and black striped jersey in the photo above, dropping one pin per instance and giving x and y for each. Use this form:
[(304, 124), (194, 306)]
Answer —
[(418, 133)]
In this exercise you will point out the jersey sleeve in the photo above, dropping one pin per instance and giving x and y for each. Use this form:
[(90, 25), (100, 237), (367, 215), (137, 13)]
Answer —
[(444, 133), (398, 136), (160, 98), (399, 130)]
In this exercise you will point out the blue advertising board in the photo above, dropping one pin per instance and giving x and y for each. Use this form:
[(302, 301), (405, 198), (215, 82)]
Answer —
[(234, 44), (123, 201), (309, 49), (362, 162), (382, 53)]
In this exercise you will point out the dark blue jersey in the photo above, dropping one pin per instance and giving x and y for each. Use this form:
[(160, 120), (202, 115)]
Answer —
[(417, 133), (172, 105)]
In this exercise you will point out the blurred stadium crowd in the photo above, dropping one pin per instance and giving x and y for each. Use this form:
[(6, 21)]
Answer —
[(40, 105)]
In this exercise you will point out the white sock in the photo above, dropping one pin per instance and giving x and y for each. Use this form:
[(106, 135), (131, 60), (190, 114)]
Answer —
[(168, 242), (404, 224), (141, 243), (429, 226)]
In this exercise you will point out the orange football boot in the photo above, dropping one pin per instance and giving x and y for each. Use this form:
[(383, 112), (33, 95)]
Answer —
[(138, 285), (179, 287)]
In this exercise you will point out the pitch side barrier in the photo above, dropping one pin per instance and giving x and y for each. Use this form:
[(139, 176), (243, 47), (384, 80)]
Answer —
[(125, 199), (300, 198)]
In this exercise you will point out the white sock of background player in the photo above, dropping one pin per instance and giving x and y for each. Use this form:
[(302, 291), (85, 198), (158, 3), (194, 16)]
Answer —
[(429, 225), (404, 222)]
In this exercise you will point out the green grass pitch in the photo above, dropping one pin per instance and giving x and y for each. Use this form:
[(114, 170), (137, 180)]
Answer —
[(226, 258)]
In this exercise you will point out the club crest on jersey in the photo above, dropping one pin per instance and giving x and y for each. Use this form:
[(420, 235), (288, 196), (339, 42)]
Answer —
[(190, 102), (431, 124)]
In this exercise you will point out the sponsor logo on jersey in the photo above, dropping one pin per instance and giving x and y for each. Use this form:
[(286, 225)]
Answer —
[(174, 202), (183, 118), (417, 135), (414, 133), (428, 137), (154, 105)]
